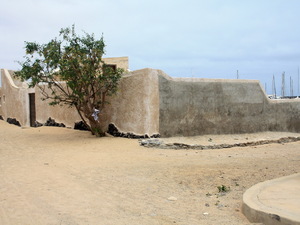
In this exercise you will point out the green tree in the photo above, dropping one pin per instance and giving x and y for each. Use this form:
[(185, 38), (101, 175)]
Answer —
[(69, 70)]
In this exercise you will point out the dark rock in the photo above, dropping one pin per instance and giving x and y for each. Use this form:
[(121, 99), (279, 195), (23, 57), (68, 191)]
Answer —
[(1, 118), (81, 126), (275, 217), (13, 121), (114, 131), (37, 124), (51, 123), (155, 136)]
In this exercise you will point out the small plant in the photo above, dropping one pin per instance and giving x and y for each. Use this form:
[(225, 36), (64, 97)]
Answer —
[(223, 188), (208, 194)]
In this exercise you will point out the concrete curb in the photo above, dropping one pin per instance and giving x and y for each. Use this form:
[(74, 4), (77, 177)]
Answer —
[(274, 202)]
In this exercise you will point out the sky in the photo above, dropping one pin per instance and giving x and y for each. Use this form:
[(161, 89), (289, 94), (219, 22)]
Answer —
[(184, 38)]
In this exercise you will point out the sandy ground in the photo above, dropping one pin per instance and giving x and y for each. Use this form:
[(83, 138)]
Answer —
[(62, 176)]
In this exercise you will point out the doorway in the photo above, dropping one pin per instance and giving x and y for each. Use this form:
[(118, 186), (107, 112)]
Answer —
[(32, 114)]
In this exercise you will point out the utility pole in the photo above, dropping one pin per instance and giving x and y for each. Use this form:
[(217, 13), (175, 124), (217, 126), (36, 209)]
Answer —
[(237, 74)]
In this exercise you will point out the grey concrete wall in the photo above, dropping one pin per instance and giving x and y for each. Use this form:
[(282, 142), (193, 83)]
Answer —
[(191, 107)]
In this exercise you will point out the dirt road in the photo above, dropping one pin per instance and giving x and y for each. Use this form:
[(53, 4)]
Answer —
[(62, 176)]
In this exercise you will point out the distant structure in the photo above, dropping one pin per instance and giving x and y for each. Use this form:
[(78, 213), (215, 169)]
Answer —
[(274, 88), (283, 85)]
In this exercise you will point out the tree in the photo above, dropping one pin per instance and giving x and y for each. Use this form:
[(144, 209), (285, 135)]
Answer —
[(69, 70)]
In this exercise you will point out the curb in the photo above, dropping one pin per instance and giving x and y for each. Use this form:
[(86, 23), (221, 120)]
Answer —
[(257, 211)]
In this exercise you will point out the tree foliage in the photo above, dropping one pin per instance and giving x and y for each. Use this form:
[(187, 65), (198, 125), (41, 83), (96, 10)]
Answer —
[(70, 70)]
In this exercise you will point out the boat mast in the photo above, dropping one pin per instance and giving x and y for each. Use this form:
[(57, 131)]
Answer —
[(283, 85), (274, 88)]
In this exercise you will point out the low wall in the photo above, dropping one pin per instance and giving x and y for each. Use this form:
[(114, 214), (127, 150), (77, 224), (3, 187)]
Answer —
[(196, 106), (14, 98)]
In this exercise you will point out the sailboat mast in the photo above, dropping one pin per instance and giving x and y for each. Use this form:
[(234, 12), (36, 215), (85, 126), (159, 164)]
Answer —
[(283, 85)]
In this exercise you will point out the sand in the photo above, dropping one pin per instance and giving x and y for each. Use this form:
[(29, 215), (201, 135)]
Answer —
[(62, 176)]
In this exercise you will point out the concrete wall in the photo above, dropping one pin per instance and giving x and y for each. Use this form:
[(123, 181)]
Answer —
[(151, 102), (61, 114), (136, 106), (134, 109), (14, 101), (214, 106)]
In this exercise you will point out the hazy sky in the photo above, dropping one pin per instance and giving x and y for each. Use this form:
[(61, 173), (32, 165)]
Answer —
[(184, 38)]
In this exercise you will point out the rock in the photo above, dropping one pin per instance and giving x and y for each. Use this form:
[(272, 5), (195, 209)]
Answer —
[(51, 123), (1, 118), (205, 213), (155, 136), (220, 206), (80, 126), (114, 131), (182, 146), (172, 198), (151, 143), (37, 124), (275, 217), (13, 121)]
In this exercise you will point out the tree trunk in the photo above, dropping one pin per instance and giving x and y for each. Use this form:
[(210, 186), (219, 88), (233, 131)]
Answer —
[(96, 128)]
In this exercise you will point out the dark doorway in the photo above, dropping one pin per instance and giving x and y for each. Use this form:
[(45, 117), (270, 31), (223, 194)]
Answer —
[(113, 66), (32, 114)]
